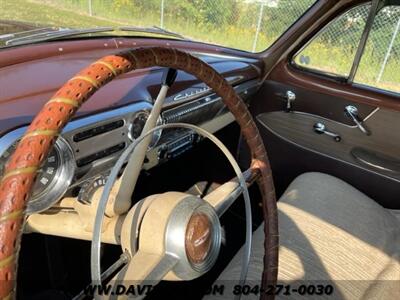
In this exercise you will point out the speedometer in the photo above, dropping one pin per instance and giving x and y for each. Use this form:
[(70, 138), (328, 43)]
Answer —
[(54, 176)]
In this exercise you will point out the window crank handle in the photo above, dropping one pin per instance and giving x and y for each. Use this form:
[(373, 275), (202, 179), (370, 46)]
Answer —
[(352, 113), (320, 128)]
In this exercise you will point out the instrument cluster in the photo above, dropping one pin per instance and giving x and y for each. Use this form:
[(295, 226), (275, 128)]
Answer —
[(54, 176)]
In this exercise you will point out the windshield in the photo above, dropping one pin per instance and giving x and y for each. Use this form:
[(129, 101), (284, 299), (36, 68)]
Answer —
[(250, 25)]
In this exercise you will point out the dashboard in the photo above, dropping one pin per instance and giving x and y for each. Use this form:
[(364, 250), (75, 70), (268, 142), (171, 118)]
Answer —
[(89, 145)]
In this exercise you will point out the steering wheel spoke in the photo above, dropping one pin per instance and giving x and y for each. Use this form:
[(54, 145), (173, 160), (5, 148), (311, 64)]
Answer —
[(145, 269), (226, 194)]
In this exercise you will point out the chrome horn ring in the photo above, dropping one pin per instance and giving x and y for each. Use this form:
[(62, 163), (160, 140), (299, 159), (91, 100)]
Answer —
[(95, 249)]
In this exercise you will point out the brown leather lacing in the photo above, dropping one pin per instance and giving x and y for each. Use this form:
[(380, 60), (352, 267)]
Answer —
[(20, 171)]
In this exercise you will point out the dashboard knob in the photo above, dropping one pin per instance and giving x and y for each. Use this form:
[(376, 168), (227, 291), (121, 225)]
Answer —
[(90, 187), (137, 124)]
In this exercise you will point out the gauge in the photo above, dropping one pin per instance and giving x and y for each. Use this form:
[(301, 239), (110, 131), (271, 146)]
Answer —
[(54, 176), (137, 125), (90, 187)]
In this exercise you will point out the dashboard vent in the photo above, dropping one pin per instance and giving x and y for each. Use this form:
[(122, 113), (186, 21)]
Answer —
[(84, 135), (103, 153)]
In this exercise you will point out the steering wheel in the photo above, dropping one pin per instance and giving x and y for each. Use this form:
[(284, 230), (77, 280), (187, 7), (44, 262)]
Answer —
[(20, 171)]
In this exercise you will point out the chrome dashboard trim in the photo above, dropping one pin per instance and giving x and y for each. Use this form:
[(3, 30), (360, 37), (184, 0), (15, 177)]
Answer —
[(222, 56), (66, 174), (194, 94), (173, 114), (9, 138)]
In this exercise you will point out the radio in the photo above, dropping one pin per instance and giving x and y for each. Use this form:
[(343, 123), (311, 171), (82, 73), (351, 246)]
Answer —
[(176, 147)]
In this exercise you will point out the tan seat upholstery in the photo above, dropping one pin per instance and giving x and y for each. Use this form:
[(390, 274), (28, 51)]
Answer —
[(330, 233)]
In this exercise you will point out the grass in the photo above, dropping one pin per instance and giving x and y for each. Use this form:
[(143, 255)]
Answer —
[(336, 60), (42, 14), (75, 14)]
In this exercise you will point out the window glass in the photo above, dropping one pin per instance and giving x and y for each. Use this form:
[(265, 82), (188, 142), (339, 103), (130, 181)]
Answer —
[(251, 25), (380, 63), (333, 49)]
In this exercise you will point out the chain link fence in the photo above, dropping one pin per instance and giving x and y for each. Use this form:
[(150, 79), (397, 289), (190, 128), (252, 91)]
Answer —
[(251, 25), (334, 48), (380, 63)]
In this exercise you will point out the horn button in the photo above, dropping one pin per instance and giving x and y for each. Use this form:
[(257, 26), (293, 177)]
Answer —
[(175, 224), (198, 238)]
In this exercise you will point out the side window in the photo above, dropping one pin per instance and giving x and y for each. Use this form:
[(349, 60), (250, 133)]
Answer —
[(332, 51), (380, 63)]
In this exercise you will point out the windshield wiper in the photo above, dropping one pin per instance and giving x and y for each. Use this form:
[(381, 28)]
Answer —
[(152, 30), (66, 32), (8, 36), (52, 35)]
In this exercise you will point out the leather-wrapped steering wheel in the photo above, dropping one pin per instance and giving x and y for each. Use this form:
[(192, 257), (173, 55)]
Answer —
[(20, 171)]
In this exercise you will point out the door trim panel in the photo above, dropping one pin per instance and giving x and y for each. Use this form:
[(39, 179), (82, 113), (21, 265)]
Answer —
[(297, 128), (289, 160)]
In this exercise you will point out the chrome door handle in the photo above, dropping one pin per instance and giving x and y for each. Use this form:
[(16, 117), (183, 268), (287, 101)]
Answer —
[(290, 97), (320, 128), (351, 112)]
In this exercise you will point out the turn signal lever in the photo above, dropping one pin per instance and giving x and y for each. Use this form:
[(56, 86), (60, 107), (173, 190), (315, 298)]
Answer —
[(351, 112)]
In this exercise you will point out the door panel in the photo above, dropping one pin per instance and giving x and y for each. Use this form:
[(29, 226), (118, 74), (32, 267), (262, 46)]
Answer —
[(294, 147), (315, 134), (376, 153), (318, 103), (289, 160)]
